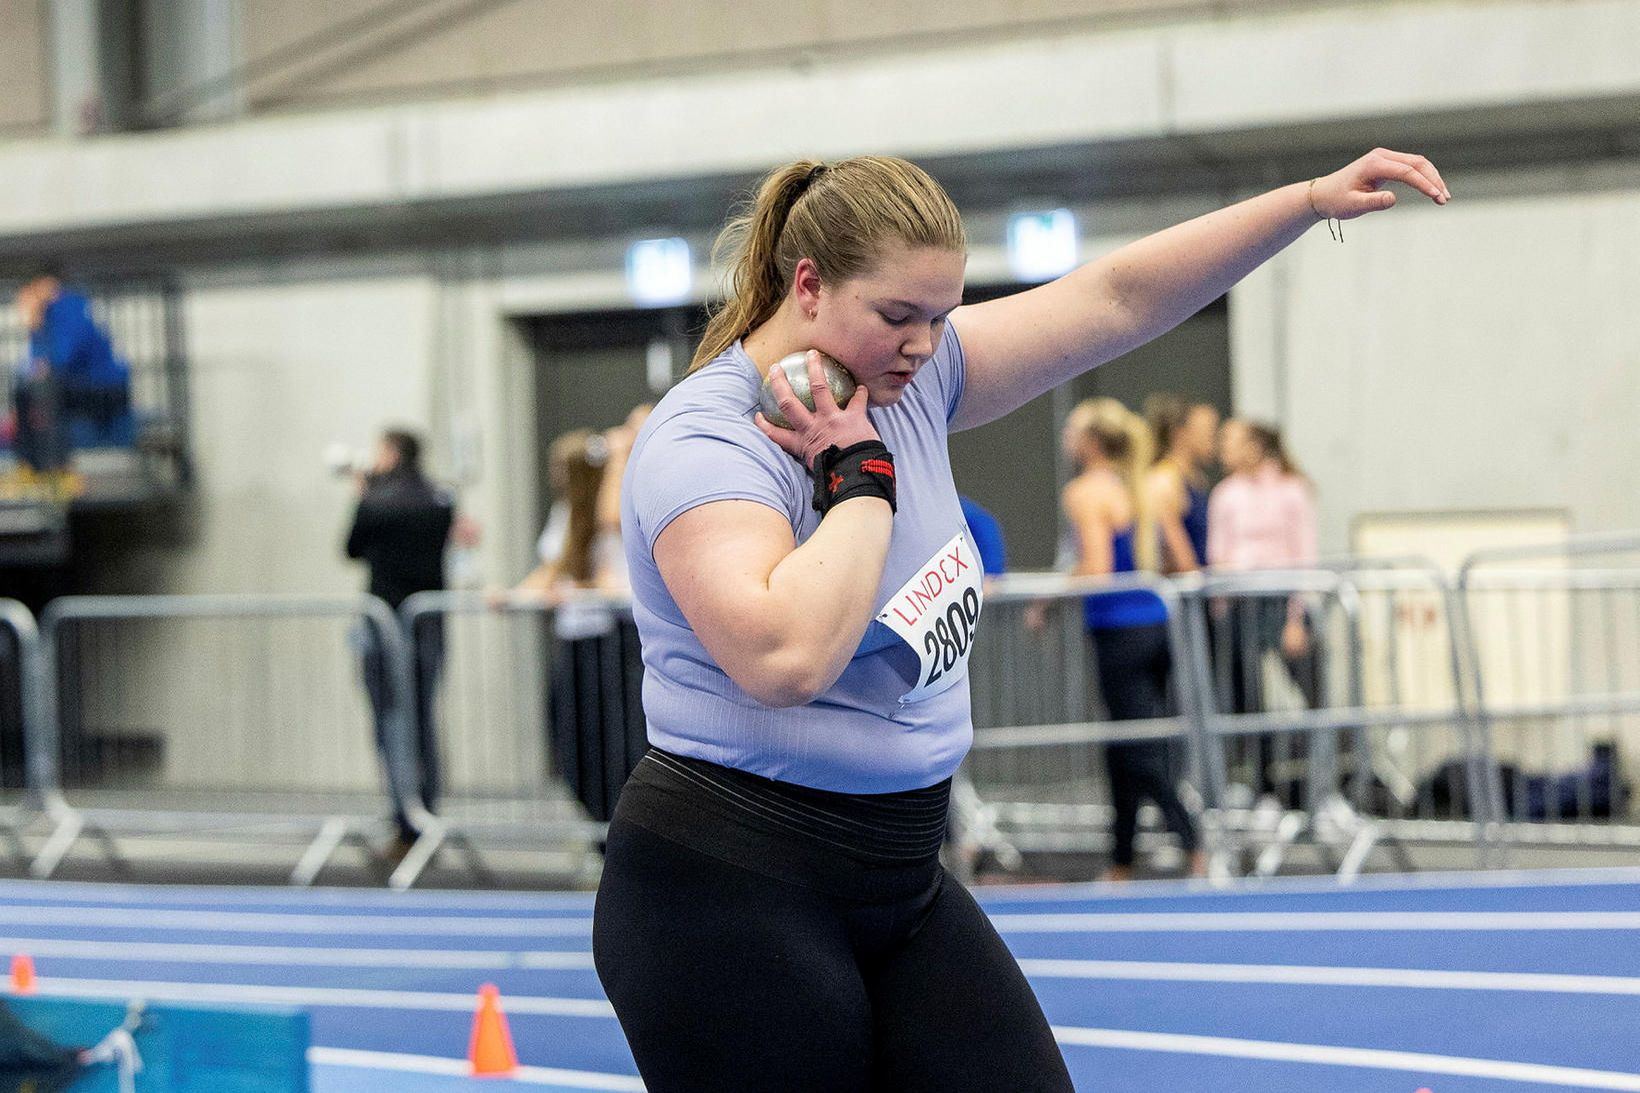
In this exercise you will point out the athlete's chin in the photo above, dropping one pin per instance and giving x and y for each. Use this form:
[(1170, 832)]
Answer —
[(887, 388)]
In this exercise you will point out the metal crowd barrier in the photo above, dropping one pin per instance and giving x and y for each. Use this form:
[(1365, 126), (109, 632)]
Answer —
[(1323, 741), (237, 717), (1035, 780), (1274, 753), (512, 770), (1499, 709), (1554, 664), (23, 719)]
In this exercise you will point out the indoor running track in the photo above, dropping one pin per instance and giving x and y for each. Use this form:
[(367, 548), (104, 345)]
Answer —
[(1455, 983)]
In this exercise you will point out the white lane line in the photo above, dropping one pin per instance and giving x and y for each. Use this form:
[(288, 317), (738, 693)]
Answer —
[(1317, 976), (275, 923), (289, 956), (141, 895), (1332, 1055), (1303, 921), (581, 926), (244, 994), (430, 1064), (1466, 880)]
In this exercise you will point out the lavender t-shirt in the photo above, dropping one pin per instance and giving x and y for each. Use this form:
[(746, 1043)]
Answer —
[(701, 445)]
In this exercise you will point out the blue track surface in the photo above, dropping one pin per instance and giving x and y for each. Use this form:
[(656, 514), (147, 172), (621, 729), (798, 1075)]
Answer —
[(1152, 988)]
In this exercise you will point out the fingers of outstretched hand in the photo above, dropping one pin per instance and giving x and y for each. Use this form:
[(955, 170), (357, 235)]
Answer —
[(1414, 171), (1360, 188)]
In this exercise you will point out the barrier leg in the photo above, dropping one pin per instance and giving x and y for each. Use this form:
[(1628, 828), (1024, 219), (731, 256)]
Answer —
[(319, 852)]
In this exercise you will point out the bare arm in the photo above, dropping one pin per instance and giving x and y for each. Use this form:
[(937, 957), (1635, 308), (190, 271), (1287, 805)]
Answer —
[(1164, 490), (1019, 346), (608, 507), (539, 587), (1086, 511), (781, 620), (1218, 527)]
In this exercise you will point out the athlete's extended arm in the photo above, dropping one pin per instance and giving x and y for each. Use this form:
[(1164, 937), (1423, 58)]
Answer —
[(1019, 346)]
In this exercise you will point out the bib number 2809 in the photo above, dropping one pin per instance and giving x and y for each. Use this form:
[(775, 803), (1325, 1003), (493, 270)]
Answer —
[(946, 643), (935, 613)]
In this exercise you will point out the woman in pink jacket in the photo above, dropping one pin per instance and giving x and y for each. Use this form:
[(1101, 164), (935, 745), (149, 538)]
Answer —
[(1262, 516)]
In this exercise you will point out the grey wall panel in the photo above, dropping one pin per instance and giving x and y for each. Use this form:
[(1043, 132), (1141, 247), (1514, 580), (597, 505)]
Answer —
[(1476, 357), (25, 92)]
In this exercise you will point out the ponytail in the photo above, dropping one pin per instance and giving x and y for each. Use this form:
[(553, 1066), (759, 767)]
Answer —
[(1167, 414), (757, 283), (1131, 469)]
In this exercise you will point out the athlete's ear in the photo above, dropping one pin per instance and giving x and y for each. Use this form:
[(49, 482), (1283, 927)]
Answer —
[(806, 286)]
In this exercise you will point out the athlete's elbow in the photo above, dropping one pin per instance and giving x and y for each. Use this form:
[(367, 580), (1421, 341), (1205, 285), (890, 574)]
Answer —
[(780, 694), (782, 698), (785, 679)]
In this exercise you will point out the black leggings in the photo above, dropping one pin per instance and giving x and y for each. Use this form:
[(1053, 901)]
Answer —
[(595, 715), (726, 977), (1133, 665)]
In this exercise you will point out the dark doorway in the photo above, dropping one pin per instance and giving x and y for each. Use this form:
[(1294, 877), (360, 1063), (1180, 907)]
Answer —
[(591, 368), (1012, 466)]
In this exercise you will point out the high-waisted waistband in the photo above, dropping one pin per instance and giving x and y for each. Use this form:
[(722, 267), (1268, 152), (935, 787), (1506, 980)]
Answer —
[(859, 846)]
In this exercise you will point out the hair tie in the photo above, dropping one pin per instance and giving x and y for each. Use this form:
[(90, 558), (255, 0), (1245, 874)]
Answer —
[(809, 179)]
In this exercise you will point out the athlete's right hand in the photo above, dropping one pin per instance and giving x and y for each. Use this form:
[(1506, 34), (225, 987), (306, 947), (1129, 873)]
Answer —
[(813, 431)]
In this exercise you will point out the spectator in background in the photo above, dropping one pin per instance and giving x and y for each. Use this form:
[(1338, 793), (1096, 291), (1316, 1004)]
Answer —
[(595, 713), (1112, 532), (1263, 516), (400, 529), (71, 386), (986, 532), (1184, 438)]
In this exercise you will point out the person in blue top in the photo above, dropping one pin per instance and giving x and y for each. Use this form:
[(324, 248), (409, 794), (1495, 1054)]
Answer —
[(1114, 532), (772, 913), (1185, 437), (71, 373), (986, 531)]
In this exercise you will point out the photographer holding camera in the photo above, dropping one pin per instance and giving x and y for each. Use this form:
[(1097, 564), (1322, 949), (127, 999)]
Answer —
[(400, 529)]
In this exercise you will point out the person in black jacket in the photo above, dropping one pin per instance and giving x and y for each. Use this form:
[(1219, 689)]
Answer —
[(400, 529)]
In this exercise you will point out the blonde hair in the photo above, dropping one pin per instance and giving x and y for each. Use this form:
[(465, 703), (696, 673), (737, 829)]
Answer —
[(1125, 440), (575, 466), (840, 216)]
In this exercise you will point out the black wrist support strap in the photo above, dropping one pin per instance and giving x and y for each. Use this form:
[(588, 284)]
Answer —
[(865, 469)]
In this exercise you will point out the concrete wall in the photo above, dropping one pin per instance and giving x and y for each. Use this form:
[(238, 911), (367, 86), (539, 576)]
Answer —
[(1185, 96), (321, 52), (25, 86)]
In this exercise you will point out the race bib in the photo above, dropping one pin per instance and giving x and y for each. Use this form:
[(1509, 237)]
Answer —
[(935, 613)]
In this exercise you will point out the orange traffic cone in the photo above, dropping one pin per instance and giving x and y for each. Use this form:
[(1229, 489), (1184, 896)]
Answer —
[(22, 974), (491, 1048)]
